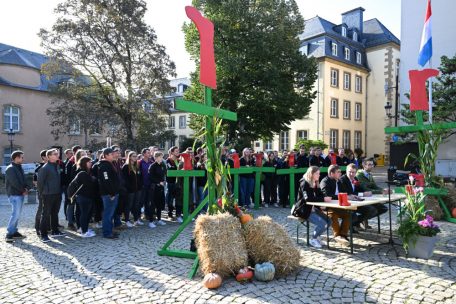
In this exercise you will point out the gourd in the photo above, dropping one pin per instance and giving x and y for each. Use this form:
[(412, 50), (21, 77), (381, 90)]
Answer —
[(264, 272), (245, 274), (245, 218), (212, 280), (453, 212)]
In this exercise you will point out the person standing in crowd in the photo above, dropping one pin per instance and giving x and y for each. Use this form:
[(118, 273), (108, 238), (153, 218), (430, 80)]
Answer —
[(118, 162), (171, 195), (97, 203), (331, 158), (133, 182), (16, 189), (247, 180), (109, 185), (49, 186), (69, 173), (269, 184), (156, 177), (330, 186), (73, 211), (83, 190), (39, 210), (146, 197), (317, 159), (341, 159), (64, 179), (302, 161), (284, 180), (201, 180), (309, 191)]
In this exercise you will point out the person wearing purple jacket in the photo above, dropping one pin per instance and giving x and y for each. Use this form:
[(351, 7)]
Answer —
[(146, 198)]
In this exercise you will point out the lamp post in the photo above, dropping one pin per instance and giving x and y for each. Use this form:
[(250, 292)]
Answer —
[(11, 139), (388, 105)]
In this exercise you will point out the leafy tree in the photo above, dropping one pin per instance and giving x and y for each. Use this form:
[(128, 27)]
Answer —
[(311, 143), (261, 74), (108, 41), (152, 130)]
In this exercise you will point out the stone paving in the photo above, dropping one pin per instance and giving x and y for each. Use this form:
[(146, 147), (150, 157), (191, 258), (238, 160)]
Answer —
[(128, 270)]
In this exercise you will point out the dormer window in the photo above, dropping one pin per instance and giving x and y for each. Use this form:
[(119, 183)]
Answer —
[(358, 58), (347, 53), (344, 31), (334, 49), (355, 36)]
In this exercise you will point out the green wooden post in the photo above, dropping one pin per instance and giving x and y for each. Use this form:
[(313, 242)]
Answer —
[(258, 171)]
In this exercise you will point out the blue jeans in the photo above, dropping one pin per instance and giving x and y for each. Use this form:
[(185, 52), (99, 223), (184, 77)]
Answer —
[(16, 201), (246, 189), (320, 220), (109, 208)]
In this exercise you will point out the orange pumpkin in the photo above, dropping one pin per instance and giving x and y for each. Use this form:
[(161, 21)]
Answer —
[(245, 274), (453, 212), (212, 281), (245, 218)]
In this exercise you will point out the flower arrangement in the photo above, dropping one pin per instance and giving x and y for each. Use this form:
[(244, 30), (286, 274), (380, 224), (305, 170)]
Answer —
[(416, 220)]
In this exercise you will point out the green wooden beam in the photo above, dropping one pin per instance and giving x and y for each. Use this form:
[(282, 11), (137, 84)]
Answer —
[(194, 269), (199, 108), (413, 129), (185, 173), (178, 253)]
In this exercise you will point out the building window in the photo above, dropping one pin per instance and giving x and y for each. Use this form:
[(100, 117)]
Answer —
[(346, 109), (11, 118), (334, 108), (172, 122), (344, 31), (355, 36), (358, 111), (346, 139), (334, 49), (182, 122), (182, 138), (96, 128), (267, 145), (284, 140), (358, 57), (357, 139), (347, 53), (172, 142), (334, 77), (161, 146), (358, 84), (347, 80), (333, 139), (302, 135), (75, 126), (7, 156)]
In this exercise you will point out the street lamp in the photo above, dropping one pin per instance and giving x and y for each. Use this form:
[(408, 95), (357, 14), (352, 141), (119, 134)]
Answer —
[(388, 105), (11, 139)]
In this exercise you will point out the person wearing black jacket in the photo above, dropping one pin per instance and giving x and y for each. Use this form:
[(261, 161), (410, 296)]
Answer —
[(64, 180), (309, 191), (84, 190), (283, 180), (302, 161), (270, 184), (341, 159), (133, 182), (173, 188), (39, 210), (109, 186), (247, 180), (157, 183), (330, 185), (317, 159), (201, 180)]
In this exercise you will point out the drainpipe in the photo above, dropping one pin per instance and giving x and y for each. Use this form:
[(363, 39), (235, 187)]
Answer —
[(365, 118)]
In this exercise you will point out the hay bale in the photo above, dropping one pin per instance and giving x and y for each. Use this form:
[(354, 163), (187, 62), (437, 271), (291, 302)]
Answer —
[(450, 199), (268, 241), (431, 203), (220, 244)]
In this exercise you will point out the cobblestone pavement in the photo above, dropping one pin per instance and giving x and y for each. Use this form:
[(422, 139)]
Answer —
[(128, 270)]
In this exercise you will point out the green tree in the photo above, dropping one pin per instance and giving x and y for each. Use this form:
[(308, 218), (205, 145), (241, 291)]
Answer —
[(261, 74), (311, 143), (108, 41)]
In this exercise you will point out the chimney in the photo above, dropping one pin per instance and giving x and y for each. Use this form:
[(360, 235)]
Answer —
[(354, 19)]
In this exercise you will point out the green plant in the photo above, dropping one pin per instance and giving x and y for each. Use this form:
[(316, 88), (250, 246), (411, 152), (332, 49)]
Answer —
[(311, 143)]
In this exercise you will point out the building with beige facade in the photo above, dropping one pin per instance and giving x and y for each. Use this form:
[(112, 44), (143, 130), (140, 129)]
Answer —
[(354, 61)]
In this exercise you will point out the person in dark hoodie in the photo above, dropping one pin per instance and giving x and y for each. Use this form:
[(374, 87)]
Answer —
[(16, 189), (73, 208), (70, 167), (39, 210), (49, 186), (133, 181), (109, 185), (64, 180), (157, 181)]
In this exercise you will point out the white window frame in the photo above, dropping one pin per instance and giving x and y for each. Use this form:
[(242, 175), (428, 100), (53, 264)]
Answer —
[(347, 81), (172, 122), (334, 77), (358, 111), (333, 138), (344, 31), (334, 49), (346, 134), (302, 135), (355, 36), (182, 121), (358, 84), (334, 108), (358, 58), (358, 139), (8, 115), (267, 145), (347, 53), (74, 127), (346, 109), (284, 140)]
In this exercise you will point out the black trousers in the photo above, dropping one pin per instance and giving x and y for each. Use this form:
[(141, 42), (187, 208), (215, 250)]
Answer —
[(51, 207), (267, 190), (284, 190), (97, 209), (39, 211), (157, 193)]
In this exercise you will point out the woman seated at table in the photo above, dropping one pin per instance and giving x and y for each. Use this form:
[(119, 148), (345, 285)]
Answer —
[(309, 190)]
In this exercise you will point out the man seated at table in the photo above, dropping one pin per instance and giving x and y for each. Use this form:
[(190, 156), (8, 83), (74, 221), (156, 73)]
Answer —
[(330, 186), (367, 182), (350, 185)]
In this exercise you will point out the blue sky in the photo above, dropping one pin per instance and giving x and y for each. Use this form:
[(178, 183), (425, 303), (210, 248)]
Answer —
[(20, 21)]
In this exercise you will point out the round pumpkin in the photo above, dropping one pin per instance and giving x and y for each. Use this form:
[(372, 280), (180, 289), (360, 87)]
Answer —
[(453, 212), (245, 218), (264, 272), (212, 281), (245, 274)]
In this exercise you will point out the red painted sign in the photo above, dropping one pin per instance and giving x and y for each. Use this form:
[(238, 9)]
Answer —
[(418, 96)]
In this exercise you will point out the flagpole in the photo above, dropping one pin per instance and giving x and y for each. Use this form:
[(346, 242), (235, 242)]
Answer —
[(430, 93)]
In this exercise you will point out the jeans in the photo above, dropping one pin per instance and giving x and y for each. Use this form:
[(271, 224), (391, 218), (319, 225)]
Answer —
[(109, 208), (85, 206), (39, 211), (133, 206), (201, 196), (51, 207), (70, 213), (247, 185), (146, 201), (320, 220), (16, 201)]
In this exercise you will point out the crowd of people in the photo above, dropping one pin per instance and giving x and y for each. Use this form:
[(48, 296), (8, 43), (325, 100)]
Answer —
[(112, 191)]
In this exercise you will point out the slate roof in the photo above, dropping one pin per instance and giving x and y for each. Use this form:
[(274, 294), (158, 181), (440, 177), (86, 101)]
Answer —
[(375, 33)]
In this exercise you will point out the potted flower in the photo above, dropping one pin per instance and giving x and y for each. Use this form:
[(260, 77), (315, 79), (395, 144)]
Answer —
[(417, 229)]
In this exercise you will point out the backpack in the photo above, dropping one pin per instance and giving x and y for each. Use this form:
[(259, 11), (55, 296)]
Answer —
[(299, 208)]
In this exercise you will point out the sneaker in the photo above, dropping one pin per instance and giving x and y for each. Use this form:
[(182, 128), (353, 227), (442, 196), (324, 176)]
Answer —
[(88, 234), (112, 237), (266, 205), (252, 206), (139, 223), (276, 205), (57, 234), (129, 224), (17, 235), (9, 238), (179, 219), (45, 239), (79, 230), (98, 225), (72, 227), (160, 223), (152, 225), (315, 243), (341, 240)]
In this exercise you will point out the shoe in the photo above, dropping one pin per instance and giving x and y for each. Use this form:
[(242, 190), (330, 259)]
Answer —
[(341, 240), (276, 205), (60, 226), (88, 234), (112, 237), (355, 230), (266, 205), (57, 234), (45, 239), (366, 225), (139, 223), (9, 238), (38, 233), (160, 223), (252, 206), (179, 219), (129, 224), (315, 243), (152, 225), (72, 227), (98, 225), (17, 235)]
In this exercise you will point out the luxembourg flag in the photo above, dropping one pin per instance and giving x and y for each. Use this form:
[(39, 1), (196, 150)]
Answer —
[(426, 38)]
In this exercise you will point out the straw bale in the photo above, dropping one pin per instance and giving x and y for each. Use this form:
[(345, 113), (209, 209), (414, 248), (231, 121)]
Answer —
[(220, 244), (268, 241), (432, 203)]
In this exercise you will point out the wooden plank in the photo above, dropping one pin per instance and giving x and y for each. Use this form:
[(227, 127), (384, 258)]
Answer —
[(199, 108), (185, 173), (412, 129)]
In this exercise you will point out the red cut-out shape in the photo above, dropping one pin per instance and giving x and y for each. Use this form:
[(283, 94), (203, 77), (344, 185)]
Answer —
[(291, 160), (236, 161), (259, 159), (418, 97), (333, 158), (187, 161), (207, 60)]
